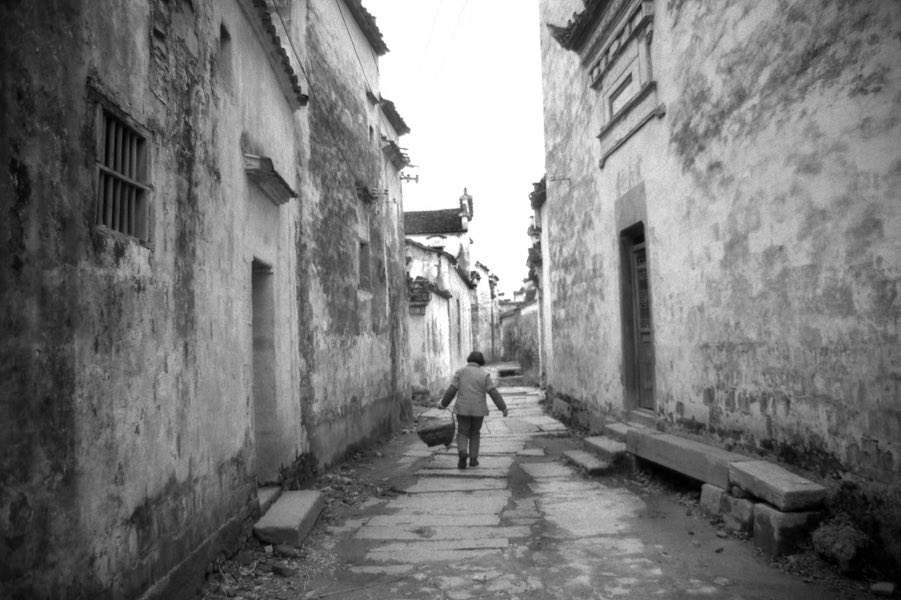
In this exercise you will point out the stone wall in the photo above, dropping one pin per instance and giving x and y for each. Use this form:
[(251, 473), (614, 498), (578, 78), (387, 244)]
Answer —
[(353, 345), (129, 387), (430, 348), (766, 178), (439, 339)]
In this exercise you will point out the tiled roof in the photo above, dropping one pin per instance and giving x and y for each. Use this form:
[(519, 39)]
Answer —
[(280, 54), (394, 117), (577, 31), (397, 155), (433, 221), (366, 22)]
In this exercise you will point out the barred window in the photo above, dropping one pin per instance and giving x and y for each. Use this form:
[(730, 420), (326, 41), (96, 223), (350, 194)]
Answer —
[(122, 188)]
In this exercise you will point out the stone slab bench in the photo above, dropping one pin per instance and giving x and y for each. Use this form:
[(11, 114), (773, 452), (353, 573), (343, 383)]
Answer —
[(694, 459), (781, 488)]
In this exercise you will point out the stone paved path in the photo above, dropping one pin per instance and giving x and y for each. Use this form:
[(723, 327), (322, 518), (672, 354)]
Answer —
[(526, 525)]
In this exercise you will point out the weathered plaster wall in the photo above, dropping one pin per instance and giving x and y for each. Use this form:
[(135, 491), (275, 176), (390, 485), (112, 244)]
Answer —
[(786, 137), (353, 338), (520, 331), (580, 247), (770, 196), (127, 432), (440, 340), (430, 348)]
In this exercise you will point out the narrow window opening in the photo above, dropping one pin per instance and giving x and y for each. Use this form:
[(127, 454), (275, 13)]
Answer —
[(224, 60), (122, 188)]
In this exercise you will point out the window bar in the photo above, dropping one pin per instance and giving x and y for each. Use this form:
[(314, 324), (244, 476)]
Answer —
[(133, 167), (126, 151), (108, 204), (131, 210), (118, 158), (110, 141), (139, 162), (114, 222), (98, 201), (115, 146), (121, 205)]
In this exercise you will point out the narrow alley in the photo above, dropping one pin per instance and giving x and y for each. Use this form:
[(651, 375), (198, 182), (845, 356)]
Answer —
[(525, 523)]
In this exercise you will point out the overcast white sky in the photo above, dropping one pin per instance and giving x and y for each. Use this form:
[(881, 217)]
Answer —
[(466, 77)]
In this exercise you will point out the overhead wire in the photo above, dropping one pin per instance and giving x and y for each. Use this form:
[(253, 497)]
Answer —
[(310, 86), (428, 39)]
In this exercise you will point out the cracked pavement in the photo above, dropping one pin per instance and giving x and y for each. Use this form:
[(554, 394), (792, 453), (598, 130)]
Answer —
[(524, 524)]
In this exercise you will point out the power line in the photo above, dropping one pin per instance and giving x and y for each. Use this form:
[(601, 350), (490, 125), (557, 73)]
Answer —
[(354, 46), (428, 39), (453, 35)]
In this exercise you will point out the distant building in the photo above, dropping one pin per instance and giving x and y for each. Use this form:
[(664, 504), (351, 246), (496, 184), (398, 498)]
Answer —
[(202, 277), (720, 232), (440, 267), (440, 327)]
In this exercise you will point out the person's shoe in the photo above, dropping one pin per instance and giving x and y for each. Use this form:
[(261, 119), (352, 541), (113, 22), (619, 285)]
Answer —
[(461, 464), (473, 462)]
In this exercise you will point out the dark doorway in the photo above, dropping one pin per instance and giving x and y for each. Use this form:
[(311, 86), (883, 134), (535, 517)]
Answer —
[(638, 332), (265, 417)]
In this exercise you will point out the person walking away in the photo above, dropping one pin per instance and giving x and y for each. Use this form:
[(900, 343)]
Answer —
[(470, 385)]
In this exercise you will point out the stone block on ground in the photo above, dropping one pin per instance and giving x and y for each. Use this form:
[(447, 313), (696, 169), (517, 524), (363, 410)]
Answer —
[(777, 486), (694, 459), (588, 462), (290, 518), (606, 448), (777, 533), (738, 514), (712, 499), (267, 495)]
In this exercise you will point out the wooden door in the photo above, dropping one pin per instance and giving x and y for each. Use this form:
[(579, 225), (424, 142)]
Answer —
[(644, 334)]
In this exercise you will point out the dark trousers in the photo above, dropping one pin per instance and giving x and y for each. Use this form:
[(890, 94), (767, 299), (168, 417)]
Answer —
[(468, 435)]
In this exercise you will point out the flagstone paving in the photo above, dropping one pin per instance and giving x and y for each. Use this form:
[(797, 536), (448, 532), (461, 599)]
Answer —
[(526, 524)]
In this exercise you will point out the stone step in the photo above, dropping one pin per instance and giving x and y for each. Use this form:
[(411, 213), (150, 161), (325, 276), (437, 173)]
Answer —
[(781, 488), (707, 464), (616, 430), (605, 448), (267, 495), (290, 519), (587, 461)]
